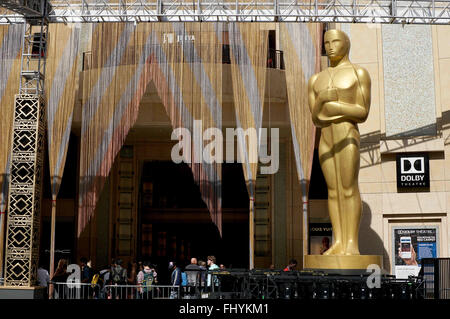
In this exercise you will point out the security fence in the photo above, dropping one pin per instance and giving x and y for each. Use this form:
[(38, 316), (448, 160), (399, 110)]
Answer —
[(253, 284), (89, 291), (436, 275)]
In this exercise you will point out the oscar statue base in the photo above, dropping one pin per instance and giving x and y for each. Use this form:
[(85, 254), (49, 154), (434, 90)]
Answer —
[(339, 263)]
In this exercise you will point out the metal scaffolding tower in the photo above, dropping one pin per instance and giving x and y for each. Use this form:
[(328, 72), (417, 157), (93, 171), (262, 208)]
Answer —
[(24, 201), (343, 11)]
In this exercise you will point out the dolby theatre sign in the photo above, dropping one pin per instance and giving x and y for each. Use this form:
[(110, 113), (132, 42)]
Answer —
[(413, 170)]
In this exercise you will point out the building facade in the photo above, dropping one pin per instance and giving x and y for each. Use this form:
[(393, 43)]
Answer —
[(150, 208)]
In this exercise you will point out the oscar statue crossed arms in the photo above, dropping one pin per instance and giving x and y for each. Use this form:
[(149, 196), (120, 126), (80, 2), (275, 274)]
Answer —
[(339, 99)]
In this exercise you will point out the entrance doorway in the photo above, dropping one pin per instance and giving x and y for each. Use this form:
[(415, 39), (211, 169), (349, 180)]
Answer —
[(174, 222)]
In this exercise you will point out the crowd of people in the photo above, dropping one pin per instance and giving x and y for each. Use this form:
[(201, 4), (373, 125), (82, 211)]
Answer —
[(142, 276)]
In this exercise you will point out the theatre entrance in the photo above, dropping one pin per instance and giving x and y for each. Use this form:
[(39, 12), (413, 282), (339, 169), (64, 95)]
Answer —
[(174, 223)]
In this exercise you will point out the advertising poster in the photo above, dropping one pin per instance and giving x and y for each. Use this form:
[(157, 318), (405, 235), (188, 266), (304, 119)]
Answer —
[(410, 246), (320, 238)]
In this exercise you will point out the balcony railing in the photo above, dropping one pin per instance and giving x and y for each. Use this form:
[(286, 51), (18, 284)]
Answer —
[(274, 59)]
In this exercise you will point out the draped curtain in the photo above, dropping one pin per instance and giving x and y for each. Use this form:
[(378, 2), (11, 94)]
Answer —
[(248, 51), (187, 72), (10, 45), (112, 91), (301, 52), (182, 61), (61, 86)]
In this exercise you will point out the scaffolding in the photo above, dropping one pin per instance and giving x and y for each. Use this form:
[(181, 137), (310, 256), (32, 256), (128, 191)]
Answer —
[(23, 222), (341, 11)]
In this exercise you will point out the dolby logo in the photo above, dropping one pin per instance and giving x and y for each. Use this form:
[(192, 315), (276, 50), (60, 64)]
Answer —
[(412, 165), (413, 171)]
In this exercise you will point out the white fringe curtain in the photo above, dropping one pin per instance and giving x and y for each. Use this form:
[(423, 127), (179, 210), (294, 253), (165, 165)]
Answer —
[(61, 87), (112, 91), (10, 45), (188, 77), (300, 43), (248, 51), (181, 59)]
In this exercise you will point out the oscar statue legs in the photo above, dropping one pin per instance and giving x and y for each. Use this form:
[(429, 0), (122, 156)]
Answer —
[(339, 158), (348, 159), (327, 164)]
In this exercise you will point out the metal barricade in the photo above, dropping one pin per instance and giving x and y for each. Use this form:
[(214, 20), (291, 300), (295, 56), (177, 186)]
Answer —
[(114, 292), (141, 292), (73, 290)]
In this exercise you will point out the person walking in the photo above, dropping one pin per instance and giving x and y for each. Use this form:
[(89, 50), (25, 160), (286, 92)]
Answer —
[(175, 279), (203, 271), (118, 278), (43, 278), (292, 265), (59, 280), (212, 266), (193, 277), (146, 279), (86, 278), (193, 273)]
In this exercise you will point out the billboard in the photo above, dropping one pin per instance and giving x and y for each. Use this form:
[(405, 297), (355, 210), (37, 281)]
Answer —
[(410, 245)]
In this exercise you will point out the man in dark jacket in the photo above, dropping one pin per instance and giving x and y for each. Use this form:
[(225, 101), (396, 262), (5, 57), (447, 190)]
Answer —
[(193, 276), (175, 279), (86, 277)]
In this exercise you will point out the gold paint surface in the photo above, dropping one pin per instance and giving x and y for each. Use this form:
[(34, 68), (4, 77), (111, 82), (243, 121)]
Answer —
[(342, 261), (339, 99)]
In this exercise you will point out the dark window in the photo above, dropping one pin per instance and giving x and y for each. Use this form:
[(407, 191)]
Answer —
[(318, 186), (69, 180)]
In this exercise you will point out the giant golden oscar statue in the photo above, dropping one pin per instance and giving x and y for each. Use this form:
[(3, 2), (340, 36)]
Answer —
[(339, 98)]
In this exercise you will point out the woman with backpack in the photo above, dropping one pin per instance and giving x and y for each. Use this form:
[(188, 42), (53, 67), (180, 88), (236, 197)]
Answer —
[(146, 279), (118, 278)]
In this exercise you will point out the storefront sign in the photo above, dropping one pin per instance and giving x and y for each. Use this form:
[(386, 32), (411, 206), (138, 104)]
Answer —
[(413, 170), (410, 245)]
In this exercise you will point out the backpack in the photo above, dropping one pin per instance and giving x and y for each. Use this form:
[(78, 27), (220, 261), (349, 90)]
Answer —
[(148, 281), (118, 275), (184, 281), (95, 280)]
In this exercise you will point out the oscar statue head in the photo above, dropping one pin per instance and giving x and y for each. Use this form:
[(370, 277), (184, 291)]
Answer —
[(337, 45)]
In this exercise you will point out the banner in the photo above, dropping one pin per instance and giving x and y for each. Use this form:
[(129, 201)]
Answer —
[(320, 238), (410, 245)]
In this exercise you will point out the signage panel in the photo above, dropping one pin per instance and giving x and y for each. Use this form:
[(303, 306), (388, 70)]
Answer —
[(413, 170)]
